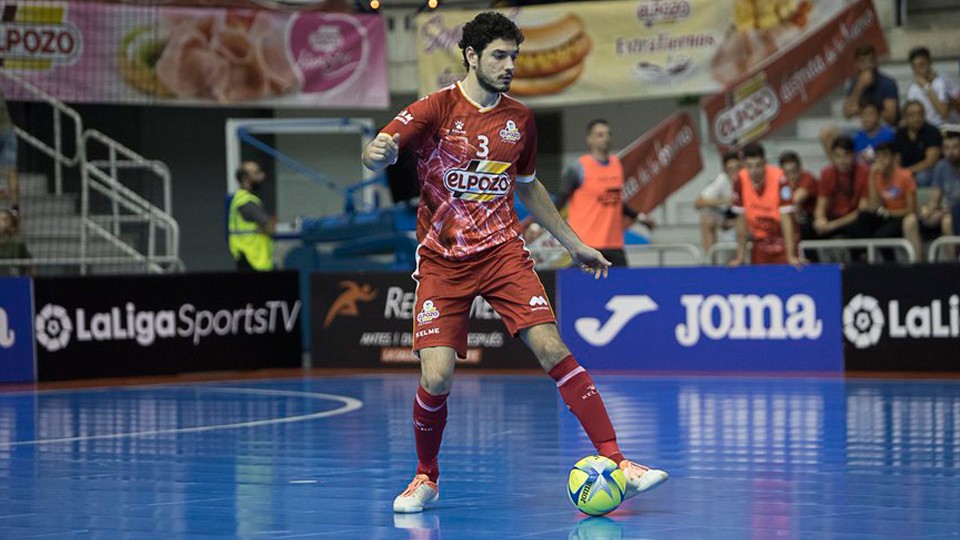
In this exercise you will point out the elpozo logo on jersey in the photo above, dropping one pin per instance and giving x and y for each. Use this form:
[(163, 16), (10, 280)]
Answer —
[(510, 134), (481, 180), (865, 322), (56, 329)]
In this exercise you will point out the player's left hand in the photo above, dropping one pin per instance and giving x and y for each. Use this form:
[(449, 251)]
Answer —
[(590, 260)]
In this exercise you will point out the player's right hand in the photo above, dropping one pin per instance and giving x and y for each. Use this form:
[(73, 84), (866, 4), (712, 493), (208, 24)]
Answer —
[(384, 149)]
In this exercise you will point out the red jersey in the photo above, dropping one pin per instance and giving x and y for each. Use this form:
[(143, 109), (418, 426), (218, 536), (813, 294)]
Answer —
[(893, 191), (468, 158), (844, 190), (809, 183)]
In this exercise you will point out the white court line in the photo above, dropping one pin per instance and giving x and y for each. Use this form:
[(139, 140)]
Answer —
[(349, 404)]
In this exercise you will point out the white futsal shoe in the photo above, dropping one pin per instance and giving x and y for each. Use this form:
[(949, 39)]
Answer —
[(420, 492), (640, 478)]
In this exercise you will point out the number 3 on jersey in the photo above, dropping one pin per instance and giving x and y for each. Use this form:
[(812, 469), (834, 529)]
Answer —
[(484, 150)]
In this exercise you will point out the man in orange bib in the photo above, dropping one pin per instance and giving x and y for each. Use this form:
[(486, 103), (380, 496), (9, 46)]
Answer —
[(593, 186), (762, 200)]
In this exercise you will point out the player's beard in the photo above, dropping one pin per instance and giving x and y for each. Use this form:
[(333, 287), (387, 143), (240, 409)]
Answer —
[(490, 84)]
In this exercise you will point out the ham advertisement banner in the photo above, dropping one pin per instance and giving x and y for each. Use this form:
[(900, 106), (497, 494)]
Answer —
[(777, 91), (106, 53)]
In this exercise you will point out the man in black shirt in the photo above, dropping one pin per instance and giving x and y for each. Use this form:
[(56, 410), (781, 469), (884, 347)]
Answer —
[(918, 144)]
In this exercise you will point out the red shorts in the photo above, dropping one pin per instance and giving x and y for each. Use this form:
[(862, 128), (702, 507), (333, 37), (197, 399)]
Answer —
[(770, 251), (502, 275)]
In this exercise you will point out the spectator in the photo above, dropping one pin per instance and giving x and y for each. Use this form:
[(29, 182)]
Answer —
[(892, 200), (804, 187), (871, 133), (12, 246), (250, 227), (946, 196), (593, 185), (871, 85), (933, 90), (843, 189), (763, 202), (715, 200), (8, 158), (918, 144)]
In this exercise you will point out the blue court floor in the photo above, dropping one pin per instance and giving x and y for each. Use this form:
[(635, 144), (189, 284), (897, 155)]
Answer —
[(750, 458)]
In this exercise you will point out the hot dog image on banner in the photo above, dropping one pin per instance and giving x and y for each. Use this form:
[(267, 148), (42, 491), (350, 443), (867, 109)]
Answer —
[(93, 52), (587, 52)]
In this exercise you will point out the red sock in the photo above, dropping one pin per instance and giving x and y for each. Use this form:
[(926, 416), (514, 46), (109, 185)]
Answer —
[(429, 419), (584, 401)]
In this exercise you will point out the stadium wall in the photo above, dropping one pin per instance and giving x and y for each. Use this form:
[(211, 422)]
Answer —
[(818, 320)]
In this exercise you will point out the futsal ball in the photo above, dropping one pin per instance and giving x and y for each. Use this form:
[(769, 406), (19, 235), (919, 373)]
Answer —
[(596, 485)]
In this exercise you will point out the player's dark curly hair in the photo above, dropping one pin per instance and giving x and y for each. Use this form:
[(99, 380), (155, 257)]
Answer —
[(483, 29)]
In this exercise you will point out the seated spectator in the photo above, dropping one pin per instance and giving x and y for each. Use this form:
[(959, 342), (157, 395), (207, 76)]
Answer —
[(763, 203), (944, 205), (891, 205), (870, 133), (12, 246), (804, 187), (843, 189), (715, 200), (933, 90), (871, 86), (917, 143)]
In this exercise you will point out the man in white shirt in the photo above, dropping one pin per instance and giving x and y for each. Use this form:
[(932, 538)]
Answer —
[(715, 200), (931, 89)]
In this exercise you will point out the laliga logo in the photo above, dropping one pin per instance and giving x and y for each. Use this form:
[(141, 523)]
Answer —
[(863, 321), (53, 327)]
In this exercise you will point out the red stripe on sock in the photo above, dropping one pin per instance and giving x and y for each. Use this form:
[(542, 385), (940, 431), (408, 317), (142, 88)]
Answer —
[(428, 430), (584, 401)]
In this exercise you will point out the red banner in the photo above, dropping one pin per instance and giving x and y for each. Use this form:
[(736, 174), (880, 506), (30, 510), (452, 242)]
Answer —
[(786, 84), (660, 162)]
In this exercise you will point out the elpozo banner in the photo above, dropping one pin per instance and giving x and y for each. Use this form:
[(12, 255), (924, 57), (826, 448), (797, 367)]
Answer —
[(749, 319), (107, 53), (660, 162), (116, 326), (778, 90), (365, 319), (589, 52)]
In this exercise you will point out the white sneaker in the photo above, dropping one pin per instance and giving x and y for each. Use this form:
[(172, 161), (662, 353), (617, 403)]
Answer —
[(640, 478), (420, 491)]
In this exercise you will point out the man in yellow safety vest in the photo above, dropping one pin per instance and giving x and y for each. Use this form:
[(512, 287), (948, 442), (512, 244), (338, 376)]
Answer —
[(250, 226)]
